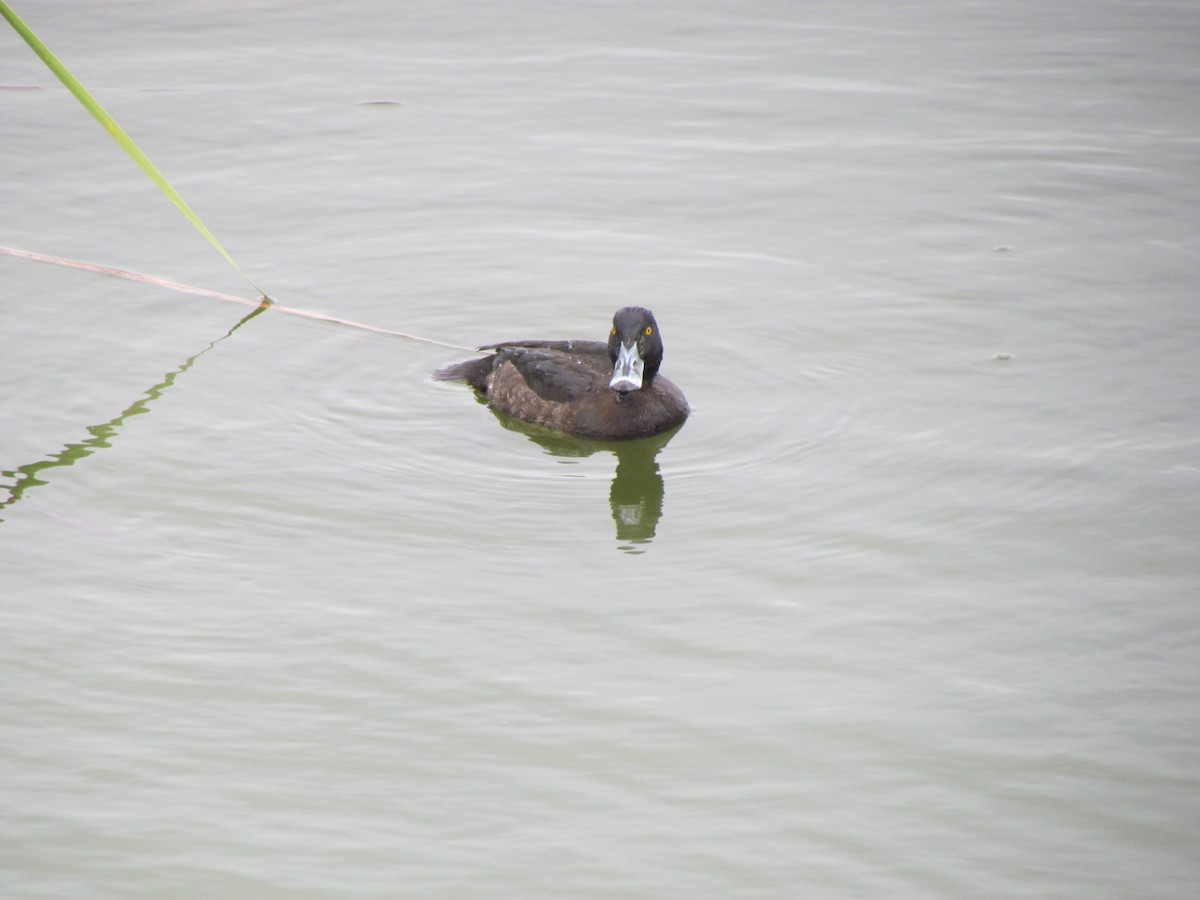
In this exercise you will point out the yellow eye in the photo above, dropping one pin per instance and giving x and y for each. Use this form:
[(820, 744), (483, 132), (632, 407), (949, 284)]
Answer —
[(614, 330), (649, 330)]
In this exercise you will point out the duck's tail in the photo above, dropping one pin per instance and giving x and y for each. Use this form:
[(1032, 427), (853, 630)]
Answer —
[(473, 371)]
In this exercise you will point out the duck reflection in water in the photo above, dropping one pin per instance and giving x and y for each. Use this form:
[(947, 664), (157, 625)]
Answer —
[(637, 490)]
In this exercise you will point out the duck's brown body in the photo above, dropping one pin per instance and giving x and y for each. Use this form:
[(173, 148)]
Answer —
[(569, 385)]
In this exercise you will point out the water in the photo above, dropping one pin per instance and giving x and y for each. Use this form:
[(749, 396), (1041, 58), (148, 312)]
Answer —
[(907, 608)]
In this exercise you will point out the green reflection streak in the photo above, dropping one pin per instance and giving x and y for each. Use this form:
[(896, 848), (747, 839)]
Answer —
[(26, 476)]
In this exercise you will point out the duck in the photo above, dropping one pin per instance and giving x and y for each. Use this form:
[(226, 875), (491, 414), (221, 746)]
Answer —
[(604, 390)]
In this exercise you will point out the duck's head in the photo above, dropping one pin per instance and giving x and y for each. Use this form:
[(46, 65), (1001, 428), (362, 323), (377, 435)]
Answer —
[(635, 348)]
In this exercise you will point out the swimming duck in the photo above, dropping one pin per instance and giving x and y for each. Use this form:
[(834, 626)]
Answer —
[(607, 391)]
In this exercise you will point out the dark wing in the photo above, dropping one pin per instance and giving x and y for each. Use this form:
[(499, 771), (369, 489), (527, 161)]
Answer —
[(552, 374), (583, 348)]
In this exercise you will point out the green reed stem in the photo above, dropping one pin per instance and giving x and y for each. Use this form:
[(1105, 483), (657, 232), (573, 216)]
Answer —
[(109, 124)]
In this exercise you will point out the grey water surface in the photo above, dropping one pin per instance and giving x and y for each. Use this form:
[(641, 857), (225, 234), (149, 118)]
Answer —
[(910, 607)]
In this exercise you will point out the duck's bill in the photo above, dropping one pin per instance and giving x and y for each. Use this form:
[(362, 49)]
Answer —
[(627, 373)]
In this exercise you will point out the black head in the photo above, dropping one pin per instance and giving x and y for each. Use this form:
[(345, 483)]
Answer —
[(635, 348)]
